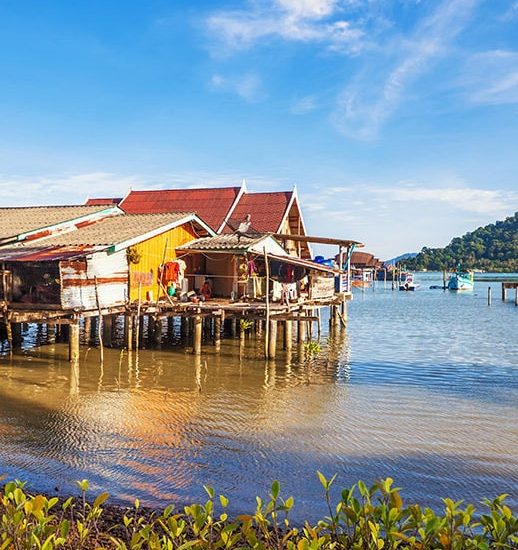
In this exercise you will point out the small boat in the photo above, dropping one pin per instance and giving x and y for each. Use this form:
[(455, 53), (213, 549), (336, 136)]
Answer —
[(407, 283), (461, 280)]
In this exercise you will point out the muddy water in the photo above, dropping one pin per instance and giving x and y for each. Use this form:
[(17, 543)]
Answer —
[(423, 387)]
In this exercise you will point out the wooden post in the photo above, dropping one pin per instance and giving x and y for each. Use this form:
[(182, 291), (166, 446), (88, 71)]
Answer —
[(217, 333), (73, 342), (488, 295), (107, 329), (157, 331), (128, 331), (197, 335), (301, 331), (272, 339), (99, 321), (444, 279), (9, 331), (138, 319), (87, 329), (17, 334), (267, 325), (504, 292), (516, 296), (51, 333), (288, 335)]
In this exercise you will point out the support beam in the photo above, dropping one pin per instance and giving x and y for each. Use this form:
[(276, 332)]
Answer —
[(73, 342), (288, 335), (272, 339), (217, 333), (128, 331), (302, 330), (107, 327), (197, 335)]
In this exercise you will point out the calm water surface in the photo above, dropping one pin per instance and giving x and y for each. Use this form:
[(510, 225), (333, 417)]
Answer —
[(423, 387)]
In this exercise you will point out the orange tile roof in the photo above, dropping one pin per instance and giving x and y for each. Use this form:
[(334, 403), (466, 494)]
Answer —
[(211, 205)]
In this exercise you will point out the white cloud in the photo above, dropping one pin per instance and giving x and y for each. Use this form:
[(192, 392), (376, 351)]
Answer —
[(366, 104), (248, 86), (292, 20), (511, 13), (304, 105), (481, 201), (491, 78)]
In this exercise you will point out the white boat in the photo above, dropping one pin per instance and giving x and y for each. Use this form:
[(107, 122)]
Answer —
[(407, 283)]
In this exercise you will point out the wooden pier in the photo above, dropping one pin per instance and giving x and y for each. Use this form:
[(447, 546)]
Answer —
[(510, 285)]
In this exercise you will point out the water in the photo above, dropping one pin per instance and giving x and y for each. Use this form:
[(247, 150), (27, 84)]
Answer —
[(423, 388)]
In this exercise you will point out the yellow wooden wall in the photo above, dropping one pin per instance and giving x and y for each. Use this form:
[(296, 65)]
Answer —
[(152, 255)]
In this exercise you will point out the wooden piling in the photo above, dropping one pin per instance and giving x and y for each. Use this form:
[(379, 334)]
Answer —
[(301, 329), (107, 330), (197, 335), (272, 339), (51, 333), (516, 296), (504, 292), (288, 335), (128, 331), (87, 330), (488, 295), (73, 342), (157, 331), (217, 333), (9, 332)]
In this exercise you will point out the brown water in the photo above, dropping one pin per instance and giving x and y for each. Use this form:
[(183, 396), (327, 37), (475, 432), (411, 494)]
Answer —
[(409, 392)]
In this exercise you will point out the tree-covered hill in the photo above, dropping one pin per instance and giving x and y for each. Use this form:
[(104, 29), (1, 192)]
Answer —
[(490, 248)]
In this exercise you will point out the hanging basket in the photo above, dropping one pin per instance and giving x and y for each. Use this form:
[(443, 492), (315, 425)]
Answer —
[(133, 255)]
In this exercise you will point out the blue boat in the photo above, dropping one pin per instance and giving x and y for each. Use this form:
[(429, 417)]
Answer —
[(461, 280)]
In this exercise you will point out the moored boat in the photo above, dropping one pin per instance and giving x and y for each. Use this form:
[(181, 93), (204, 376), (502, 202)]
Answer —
[(407, 282), (461, 280)]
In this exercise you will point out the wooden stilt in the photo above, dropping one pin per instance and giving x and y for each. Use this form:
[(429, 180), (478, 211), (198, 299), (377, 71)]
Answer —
[(51, 333), (157, 331), (87, 330), (73, 342), (128, 331), (488, 295), (217, 333), (197, 334), (107, 330), (301, 331), (288, 335), (17, 335), (9, 331), (272, 339)]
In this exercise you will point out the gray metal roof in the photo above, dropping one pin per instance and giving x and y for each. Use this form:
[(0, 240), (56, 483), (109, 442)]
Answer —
[(16, 221)]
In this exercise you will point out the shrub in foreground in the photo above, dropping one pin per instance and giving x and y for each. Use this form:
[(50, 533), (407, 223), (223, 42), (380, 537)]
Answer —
[(363, 518)]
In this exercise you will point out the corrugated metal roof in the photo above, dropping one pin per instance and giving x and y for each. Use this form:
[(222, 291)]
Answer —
[(266, 209), (43, 253), (101, 201), (24, 219), (308, 264), (211, 205), (223, 243)]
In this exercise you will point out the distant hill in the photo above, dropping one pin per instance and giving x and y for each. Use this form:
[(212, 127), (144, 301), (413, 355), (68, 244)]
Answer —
[(397, 259), (490, 248)]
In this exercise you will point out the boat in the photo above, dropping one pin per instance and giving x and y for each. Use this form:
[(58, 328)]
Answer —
[(407, 283), (461, 280)]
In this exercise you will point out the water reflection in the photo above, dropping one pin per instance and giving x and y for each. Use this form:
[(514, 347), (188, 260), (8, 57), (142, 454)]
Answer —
[(392, 396)]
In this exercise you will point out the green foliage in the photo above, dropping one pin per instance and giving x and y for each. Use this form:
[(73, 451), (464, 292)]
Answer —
[(245, 324), (490, 248), (312, 348), (370, 518)]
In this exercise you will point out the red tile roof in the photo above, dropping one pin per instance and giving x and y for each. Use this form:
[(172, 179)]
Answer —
[(267, 211), (102, 202), (211, 205)]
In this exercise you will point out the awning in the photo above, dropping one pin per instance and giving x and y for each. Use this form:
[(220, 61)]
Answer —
[(307, 264)]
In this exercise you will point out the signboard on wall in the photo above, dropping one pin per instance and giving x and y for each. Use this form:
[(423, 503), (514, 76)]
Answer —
[(321, 287)]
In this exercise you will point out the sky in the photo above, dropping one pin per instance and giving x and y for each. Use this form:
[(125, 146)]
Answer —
[(397, 120)]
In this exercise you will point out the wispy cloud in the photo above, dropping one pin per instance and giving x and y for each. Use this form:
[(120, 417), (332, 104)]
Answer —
[(366, 104), (292, 20), (491, 78), (304, 105), (248, 86)]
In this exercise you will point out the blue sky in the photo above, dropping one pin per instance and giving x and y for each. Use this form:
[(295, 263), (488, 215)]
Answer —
[(396, 119)]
